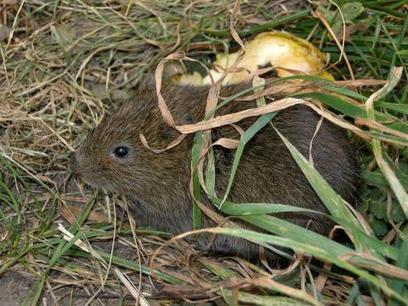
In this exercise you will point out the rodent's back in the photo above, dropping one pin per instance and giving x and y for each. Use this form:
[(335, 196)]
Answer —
[(266, 155), (158, 184)]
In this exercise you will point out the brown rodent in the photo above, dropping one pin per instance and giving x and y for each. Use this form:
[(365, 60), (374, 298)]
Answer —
[(114, 158)]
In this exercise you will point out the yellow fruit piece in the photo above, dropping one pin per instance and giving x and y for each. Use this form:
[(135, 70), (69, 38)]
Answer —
[(290, 55), (194, 79)]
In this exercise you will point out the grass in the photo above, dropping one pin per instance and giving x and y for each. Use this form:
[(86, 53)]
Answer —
[(65, 64)]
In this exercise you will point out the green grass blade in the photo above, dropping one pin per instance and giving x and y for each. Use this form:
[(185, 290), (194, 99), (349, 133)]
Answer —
[(195, 155), (336, 255), (354, 111), (261, 122), (333, 202), (243, 209)]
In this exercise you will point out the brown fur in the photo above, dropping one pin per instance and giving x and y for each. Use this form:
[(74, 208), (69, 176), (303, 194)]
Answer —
[(157, 184)]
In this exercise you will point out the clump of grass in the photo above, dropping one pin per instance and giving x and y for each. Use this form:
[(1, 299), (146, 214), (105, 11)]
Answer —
[(65, 64)]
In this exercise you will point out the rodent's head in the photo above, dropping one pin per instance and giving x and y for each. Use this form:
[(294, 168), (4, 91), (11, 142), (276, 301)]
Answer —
[(114, 158)]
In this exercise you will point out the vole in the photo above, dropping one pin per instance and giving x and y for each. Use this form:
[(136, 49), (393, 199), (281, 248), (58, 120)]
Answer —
[(157, 184)]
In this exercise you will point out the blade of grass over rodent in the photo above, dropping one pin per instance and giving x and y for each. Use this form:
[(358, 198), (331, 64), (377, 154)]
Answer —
[(328, 84), (243, 209), (338, 256), (261, 122), (339, 87), (339, 213), (210, 173), (238, 116), (333, 202), (334, 86), (240, 94), (210, 189), (195, 156), (286, 229), (274, 107), (314, 81), (355, 111), (210, 177), (271, 107), (392, 179)]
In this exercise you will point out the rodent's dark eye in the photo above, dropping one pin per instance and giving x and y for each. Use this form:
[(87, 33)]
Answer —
[(121, 151)]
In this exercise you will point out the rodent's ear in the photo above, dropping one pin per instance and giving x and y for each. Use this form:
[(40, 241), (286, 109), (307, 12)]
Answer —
[(149, 81), (167, 132), (145, 90)]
